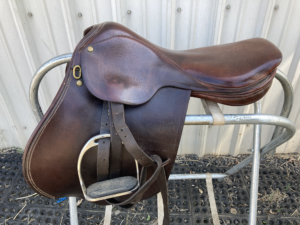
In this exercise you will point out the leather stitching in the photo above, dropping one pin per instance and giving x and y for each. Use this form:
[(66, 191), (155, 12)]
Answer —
[(158, 53), (39, 135), (84, 42), (170, 61), (235, 94)]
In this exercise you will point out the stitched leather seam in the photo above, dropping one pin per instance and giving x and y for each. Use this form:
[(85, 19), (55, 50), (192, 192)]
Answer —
[(85, 41), (87, 38), (39, 135), (30, 179), (181, 125), (158, 53), (170, 61), (235, 94), (98, 29)]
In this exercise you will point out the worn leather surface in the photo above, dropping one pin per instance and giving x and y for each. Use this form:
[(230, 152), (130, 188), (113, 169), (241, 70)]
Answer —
[(154, 84), (116, 151), (51, 154), (103, 155), (127, 68)]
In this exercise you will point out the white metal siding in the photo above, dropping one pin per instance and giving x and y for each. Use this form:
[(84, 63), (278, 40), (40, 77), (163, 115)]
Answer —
[(55, 28)]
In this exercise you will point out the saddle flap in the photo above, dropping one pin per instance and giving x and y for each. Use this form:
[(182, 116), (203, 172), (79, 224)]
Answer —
[(124, 70)]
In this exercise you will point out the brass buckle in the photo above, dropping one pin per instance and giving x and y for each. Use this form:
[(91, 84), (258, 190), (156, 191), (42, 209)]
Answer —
[(75, 69), (91, 143)]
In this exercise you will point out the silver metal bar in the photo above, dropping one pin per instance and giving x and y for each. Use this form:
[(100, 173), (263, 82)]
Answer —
[(249, 119), (73, 211), (196, 176), (37, 78), (255, 168), (283, 137), (287, 103)]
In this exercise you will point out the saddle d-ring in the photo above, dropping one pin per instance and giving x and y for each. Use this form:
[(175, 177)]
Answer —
[(109, 188)]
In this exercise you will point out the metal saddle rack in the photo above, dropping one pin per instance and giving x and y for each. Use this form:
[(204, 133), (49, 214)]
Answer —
[(284, 130)]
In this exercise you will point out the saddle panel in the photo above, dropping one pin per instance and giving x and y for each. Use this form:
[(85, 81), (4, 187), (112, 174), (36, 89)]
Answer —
[(129, 69), (51, 155)]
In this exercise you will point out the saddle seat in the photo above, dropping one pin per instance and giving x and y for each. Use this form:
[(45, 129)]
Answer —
[(121, 66), (231, 67)]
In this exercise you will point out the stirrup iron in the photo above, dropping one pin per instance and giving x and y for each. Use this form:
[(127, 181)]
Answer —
[(109, 188)]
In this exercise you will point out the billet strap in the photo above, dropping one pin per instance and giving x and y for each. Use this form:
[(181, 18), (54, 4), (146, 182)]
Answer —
[(103, 146), (107, 215), (116, 146), (118, 120), (126, 136), (163, 186), (212, 108), (212, 201), (160, 209)]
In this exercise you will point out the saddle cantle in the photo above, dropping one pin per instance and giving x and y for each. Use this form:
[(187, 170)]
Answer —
[(116, 121)]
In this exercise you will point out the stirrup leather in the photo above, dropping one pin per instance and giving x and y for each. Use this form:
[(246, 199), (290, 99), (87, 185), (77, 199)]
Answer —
[(109, 188)]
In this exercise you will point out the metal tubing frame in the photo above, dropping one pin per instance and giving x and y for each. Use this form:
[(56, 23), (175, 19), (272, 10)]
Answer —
[(255, 168), (287, 103), (284, 130), (73, 211)]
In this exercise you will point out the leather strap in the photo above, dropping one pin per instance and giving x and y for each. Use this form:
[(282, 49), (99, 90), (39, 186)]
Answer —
[(142, 182), (143, 159), (115, 160), (212, 201), (212, 108), (103, 146), (126, 136), (107, 215), (163, 186), (160, 209)]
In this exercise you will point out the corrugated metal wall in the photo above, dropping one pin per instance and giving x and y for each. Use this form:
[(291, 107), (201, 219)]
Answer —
[(32, 32)]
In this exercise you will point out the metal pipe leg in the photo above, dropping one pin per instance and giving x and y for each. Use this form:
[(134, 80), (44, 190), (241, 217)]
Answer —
[(287, 103), (255, 169), (73, 210)]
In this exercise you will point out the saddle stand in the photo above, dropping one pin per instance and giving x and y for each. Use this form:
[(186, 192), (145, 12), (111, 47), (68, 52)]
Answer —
[(284, 130)]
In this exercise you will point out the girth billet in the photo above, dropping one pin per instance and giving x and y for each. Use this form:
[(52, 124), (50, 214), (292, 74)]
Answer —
[(103, 155)]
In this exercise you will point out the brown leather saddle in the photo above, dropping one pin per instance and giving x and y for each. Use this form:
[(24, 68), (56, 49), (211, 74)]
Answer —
[(112, 132)]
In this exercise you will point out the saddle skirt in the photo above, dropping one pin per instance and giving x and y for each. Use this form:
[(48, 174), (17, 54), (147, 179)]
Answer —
[(135, 94)]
